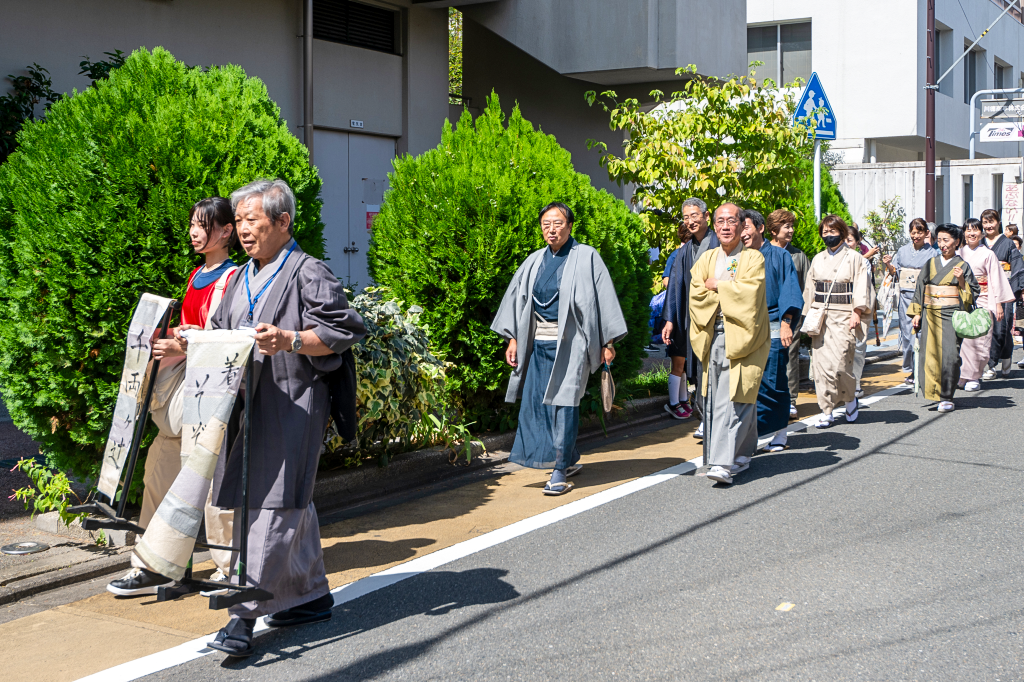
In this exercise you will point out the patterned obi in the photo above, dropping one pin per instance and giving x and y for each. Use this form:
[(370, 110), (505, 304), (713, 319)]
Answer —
[(941, 296), (842, 293), (908, 278), (983, 283)]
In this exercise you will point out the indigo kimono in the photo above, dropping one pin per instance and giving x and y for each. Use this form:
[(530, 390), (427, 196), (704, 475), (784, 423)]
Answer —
[(676, 308), (784, 296), (561, 309)]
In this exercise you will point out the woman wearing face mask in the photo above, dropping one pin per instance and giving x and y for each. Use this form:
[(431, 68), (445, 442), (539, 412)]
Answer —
[(995, 291), (838, 282), (946, 285)]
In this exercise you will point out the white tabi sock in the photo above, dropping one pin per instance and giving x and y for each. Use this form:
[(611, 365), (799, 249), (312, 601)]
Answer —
[(1006, 364), (673, 389), (780, 438)]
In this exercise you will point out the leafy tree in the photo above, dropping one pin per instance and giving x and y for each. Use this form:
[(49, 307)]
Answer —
[(460, 219), (93, 212), (730, 140), (20, 105), (454, 54), (805, 231)]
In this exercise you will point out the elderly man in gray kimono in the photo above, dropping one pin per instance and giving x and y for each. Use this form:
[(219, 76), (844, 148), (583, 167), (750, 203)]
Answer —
[(562, 316), (303, 324)]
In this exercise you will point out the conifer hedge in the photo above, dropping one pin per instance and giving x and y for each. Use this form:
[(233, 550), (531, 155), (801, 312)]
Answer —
[(460, 218), (93, 212)]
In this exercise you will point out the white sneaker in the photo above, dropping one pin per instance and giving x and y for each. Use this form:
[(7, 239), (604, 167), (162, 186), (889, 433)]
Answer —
[(720, 474), (824, 421), (217, 577), (699, 433), (792, 412), (988, 375), (946, 406), (972, 386)]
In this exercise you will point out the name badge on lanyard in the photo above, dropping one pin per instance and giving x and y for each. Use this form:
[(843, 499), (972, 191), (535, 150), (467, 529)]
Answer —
[(249, 321)]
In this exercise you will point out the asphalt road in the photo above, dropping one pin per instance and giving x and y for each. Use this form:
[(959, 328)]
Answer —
[(897, 539)]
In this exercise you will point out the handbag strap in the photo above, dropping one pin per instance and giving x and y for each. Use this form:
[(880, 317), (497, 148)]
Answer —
[(828, 297)]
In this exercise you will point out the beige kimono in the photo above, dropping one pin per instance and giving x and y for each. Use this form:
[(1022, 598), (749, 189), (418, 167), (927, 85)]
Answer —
[(834, 349)]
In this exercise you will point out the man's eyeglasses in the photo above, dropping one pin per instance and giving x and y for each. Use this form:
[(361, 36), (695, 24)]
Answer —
[(557, 224), (727, 221)]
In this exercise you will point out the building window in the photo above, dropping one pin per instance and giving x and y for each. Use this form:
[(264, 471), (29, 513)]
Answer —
[(785, 50), (970, 75), (1001, 78), (356, 24)]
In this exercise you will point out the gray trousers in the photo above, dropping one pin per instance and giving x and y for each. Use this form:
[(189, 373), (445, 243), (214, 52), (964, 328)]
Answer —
[(733, 425), (906, 331), (285, 559), (793, 368)]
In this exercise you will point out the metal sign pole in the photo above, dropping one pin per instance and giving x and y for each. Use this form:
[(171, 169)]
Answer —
[(817, 180)]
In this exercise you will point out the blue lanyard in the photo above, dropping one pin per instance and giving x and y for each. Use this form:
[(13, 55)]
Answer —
[(248, 292)]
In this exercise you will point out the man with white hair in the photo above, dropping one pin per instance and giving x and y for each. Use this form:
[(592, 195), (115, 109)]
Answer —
[(303, 324), (729, 332)]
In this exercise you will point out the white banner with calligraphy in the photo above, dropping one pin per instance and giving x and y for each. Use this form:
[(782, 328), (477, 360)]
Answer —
[(1013, 204), (214, 370), (145, 322)]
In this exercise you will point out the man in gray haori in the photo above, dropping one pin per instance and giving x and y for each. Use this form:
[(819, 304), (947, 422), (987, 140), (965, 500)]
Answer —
[(303, 324)]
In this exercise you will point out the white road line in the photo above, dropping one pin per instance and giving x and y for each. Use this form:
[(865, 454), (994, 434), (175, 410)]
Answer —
[(197, 648)]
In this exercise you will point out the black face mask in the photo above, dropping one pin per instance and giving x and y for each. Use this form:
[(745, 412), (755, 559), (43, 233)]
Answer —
[(832, 241)]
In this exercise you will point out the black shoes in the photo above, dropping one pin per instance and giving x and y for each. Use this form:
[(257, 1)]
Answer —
[(315, 611), (138, 581)]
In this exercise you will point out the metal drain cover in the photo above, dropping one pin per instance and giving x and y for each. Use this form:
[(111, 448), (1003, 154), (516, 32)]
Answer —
[(24, 548)]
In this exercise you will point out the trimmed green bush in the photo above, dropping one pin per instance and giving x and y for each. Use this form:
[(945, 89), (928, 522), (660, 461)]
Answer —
[(459, 219), (399, 382), (93, 212), (805, 231)]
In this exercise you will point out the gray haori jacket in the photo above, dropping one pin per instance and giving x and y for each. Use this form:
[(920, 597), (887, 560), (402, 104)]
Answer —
[(291, 403), (589, 317)]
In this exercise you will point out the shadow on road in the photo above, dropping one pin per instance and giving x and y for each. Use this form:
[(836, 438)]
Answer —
[(428, 594), (443, 592)]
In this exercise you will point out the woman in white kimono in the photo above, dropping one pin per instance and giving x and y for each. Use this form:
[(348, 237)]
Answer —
[(995, 291), (562, 316), (838, 281)]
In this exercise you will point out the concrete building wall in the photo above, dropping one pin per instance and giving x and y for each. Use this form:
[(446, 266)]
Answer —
[(615, 41), (871, 57), (262, 36), (866, 185), (552, 102)]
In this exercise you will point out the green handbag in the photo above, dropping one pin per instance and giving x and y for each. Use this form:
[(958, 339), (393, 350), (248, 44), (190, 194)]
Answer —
[(971, 325)]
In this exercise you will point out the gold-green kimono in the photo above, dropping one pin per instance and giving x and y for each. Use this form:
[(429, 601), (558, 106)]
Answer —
[(939, 295)]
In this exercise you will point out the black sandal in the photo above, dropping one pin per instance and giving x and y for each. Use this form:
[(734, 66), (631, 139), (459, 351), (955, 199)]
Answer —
[(235, 639), (316, 611)]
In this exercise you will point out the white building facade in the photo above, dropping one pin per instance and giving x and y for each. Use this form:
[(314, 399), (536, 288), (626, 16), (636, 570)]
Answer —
[(871, 56)]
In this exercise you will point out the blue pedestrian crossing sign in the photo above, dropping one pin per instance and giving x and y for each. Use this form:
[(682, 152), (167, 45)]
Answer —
[(814, 104)]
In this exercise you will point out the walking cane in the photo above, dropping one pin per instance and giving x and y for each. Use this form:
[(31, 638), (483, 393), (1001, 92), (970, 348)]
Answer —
[(707, 420)]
